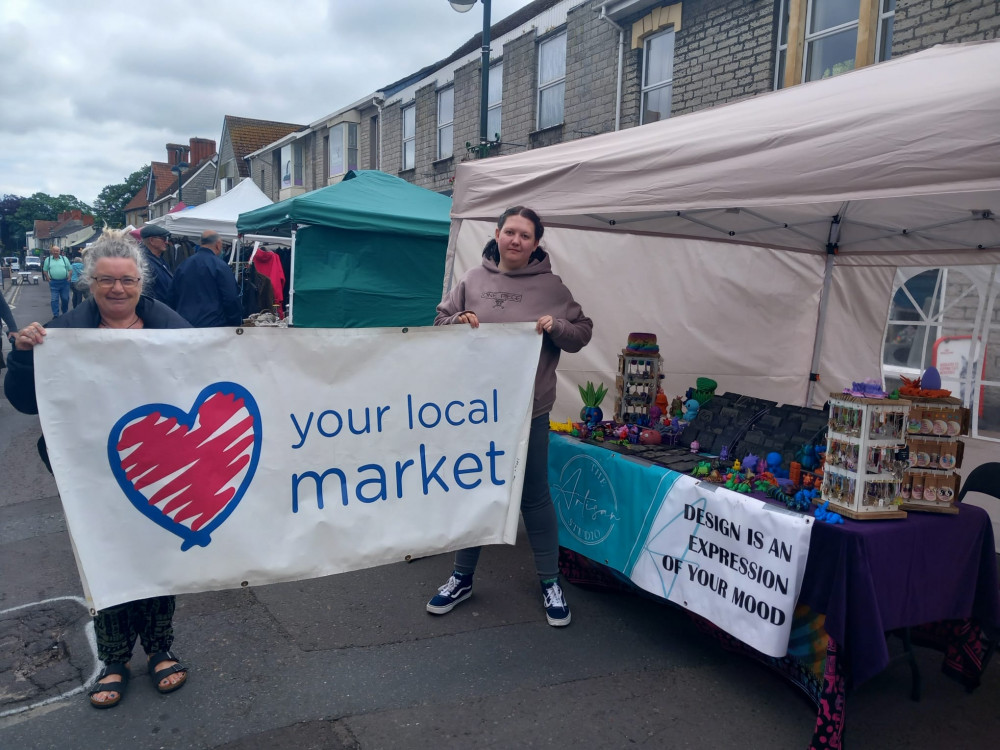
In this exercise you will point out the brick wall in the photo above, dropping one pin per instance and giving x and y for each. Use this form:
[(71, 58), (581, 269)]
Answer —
[(392, 139), (920, 24), (519, 77), (467, 99), (591, 80)]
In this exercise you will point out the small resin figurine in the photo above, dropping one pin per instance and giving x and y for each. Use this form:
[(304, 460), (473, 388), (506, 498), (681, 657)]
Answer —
[(676, 407), (695, 446), (691, 409), (649, 437)]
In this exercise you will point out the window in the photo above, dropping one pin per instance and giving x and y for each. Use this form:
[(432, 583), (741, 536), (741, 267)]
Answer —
[(409, 136), (551, 80), (823, 38), (657, 76), (887, 12), (226, 178), (445, 122), (494, 103), (291, 165), (831, 37), (343, 148), (937, 317)]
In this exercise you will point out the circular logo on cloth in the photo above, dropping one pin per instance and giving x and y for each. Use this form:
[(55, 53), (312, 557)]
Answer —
[(585, 500)]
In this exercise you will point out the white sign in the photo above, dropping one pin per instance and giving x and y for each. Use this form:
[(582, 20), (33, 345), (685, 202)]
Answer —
[(728, 558), (204, 459)]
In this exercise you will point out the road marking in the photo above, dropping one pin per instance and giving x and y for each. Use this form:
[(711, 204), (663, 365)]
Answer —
[(88, 630)]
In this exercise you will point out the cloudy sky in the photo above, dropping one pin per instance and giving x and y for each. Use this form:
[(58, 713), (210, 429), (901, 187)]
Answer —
[(91, 90)]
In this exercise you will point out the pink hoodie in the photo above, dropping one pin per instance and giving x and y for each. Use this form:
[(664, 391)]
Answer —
[(523, 296)]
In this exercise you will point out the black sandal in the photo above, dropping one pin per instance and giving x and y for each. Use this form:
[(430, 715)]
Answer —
[(157, 676), (117, 669)]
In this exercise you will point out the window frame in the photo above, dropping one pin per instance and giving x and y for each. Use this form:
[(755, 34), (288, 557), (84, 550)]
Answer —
[(793, 39), (410, 138), (494, 107), (297, 172), (644, 86), (340, 134), (445, 128), (552, 83)]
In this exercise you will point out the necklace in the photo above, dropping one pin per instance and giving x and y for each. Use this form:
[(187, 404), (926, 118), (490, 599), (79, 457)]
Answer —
[(105, 324)]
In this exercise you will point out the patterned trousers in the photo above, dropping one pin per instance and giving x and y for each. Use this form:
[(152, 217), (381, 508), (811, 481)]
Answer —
[(149, 620)]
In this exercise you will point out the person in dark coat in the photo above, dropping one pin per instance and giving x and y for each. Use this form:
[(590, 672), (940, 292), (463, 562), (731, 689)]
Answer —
[(8, 318), (204, 289), (115, 270), (155, 241)]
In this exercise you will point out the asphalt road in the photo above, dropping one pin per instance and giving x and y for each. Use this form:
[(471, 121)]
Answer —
[(354, 661)]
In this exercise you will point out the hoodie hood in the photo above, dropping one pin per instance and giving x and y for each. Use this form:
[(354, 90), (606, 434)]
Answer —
[(535, 266)]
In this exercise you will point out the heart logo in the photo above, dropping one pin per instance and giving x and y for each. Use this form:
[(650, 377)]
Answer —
[(187, 471)]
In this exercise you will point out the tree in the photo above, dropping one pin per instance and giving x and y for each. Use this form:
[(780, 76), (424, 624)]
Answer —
[(8, 207), (38, 206), (110, 205)]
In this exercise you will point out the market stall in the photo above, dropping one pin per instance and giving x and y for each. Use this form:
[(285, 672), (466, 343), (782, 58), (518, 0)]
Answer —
[(764, 242), (366, 252), (219, 214), (761, 240)]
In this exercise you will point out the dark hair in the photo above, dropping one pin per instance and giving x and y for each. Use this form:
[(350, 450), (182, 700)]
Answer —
[(492, 251)]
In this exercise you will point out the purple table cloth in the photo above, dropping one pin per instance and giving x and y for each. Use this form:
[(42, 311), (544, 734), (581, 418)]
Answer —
[(870, 577)]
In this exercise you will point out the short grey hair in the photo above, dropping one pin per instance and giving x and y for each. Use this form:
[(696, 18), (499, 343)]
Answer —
[(113, 243)]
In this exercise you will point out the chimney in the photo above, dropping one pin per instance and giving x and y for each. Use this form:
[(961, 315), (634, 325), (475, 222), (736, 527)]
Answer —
[(176, 153), (201, 149)]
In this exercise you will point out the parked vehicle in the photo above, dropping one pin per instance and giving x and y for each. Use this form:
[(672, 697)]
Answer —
[(32, 263), (13, 263)]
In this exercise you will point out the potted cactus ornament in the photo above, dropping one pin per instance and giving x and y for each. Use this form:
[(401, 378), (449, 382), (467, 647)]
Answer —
[(592, 397)]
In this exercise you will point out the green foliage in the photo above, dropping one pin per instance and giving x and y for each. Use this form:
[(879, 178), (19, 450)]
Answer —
[(17, 215), (592, 396), (109, 208)]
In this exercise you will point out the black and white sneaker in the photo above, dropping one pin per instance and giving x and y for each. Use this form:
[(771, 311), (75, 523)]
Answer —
[(556, 608), (456, 591)]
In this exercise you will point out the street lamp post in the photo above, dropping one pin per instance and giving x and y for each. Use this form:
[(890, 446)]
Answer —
[(463, 6), (178, 169)]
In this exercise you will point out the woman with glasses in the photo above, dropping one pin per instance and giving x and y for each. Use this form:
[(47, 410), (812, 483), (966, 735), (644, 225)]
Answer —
[(114, 269)]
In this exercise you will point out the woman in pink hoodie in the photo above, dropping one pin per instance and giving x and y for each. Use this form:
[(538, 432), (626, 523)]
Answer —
[(515, 284)]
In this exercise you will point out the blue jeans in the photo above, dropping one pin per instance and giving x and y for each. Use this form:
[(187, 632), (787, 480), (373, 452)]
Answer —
[(59, 290), (537, 510)]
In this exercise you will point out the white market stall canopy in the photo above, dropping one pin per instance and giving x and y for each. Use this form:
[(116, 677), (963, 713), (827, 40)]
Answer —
[(761, 240), (219, 214)]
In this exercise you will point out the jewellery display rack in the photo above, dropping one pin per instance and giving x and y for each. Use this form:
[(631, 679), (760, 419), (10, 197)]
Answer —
[(636, 382), (865, 457), (933, 428)]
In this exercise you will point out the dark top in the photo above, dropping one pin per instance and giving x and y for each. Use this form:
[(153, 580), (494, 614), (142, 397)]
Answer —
[(159, 286), (6, 315), (19, 385), (204, 291)]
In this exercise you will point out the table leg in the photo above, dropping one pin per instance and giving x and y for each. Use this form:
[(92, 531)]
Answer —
[(829, 730)]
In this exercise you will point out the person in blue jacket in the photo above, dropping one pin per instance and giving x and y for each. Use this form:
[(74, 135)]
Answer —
[(204, 288)]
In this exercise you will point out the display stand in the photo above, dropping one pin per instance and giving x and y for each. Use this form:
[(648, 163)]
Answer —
[(864, 457), (636, 383), (930, 484)]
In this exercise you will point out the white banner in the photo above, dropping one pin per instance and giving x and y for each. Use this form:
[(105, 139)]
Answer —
[(204, 459), (733, 559), (730, 558)]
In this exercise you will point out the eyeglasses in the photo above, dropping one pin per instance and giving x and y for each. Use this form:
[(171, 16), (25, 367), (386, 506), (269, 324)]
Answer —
[(108, 282)]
